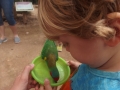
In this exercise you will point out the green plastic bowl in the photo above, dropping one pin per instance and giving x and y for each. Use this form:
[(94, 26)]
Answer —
[(40, 71)]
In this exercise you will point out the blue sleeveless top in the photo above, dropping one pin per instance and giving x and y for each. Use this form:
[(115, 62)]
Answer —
[(88, 78)]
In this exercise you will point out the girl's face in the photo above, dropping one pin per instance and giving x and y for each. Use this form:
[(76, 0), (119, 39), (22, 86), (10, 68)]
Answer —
[(89, 51)]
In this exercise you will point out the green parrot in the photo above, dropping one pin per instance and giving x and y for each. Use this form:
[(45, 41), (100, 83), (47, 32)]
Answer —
[(50, 55)]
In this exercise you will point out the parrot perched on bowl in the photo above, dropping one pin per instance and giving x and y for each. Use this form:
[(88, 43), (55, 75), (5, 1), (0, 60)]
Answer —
[(50, 55)]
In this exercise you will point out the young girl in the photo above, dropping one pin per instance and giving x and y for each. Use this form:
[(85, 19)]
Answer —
[(90, 31)]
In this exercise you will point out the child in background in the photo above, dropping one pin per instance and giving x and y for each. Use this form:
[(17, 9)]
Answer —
[(90, 31), (90, 35)]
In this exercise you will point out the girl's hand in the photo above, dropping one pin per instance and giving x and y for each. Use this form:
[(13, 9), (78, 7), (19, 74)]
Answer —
[(73, 65)]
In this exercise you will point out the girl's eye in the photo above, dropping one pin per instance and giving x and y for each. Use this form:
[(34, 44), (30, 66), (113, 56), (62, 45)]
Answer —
[(65, 44)]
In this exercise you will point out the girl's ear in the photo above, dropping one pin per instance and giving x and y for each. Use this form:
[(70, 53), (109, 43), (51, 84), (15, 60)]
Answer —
[(116, 39), (115, 17), (113, 41)]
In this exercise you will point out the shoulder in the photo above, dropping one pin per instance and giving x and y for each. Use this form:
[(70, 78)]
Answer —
[(88, 78)]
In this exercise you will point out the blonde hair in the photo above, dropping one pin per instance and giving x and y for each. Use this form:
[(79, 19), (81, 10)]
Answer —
[(83, 18)]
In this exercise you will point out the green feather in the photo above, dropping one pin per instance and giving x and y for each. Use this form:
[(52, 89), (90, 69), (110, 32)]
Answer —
[(50, 55), (49, 48)]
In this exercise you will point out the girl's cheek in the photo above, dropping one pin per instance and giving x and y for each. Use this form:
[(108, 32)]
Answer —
[(67, 48)]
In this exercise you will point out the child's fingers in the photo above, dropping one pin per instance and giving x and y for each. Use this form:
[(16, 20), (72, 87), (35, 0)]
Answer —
[(73, 64), (70, 62)]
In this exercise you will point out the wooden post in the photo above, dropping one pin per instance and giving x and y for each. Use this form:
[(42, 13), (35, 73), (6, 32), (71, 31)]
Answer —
[(25, 17)]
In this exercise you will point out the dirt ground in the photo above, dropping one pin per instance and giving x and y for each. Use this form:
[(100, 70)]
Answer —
[(14, 57)]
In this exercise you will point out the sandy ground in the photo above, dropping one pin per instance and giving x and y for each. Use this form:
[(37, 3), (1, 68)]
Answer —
[(14, 57)]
